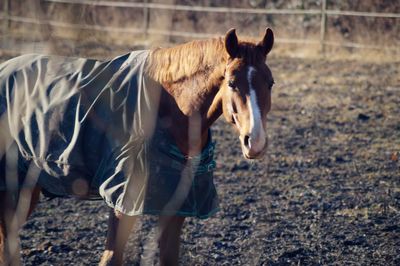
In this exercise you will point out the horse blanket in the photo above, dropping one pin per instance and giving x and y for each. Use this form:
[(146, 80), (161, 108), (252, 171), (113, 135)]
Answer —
[(86, 127)]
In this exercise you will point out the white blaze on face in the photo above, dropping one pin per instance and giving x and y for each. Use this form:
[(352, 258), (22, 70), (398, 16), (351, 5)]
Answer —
[(257, 133)]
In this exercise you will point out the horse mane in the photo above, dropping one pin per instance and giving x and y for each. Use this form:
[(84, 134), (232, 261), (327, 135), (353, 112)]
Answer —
[(167, 65)]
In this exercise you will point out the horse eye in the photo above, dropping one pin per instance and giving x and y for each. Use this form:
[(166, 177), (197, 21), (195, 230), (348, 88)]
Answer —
[(271, 85)]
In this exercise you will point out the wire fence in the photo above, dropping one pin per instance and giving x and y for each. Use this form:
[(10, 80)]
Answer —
[(148, 7)]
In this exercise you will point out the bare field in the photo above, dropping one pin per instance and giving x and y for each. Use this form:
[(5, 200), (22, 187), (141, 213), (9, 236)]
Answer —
[(327, 193)]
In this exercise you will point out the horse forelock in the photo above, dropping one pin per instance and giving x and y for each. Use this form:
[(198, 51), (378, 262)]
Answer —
[(250, 52)]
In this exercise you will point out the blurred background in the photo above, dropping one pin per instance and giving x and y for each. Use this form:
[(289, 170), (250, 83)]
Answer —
[(107, 28), (328, 191)]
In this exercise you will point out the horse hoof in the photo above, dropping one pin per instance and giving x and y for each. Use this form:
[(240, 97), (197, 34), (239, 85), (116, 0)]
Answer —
[(107, 258)]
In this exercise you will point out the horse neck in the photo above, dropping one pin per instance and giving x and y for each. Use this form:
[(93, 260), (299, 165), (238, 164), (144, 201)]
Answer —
[(191, 75)]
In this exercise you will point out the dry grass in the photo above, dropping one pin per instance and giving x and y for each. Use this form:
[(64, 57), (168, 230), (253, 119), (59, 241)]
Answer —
[(335, 53)]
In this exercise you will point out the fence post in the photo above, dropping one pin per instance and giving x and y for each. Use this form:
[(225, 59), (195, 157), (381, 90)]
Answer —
[(4, 38), (6, 14), (145, 19), (323, 27)]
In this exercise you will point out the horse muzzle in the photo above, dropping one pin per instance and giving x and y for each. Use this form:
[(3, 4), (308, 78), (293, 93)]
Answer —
[(253, 148)]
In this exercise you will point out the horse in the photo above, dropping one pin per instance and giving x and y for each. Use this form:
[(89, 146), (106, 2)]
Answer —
[(198, 82)]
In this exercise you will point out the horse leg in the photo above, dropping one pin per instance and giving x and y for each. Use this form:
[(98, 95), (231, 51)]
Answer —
[(2, 228), (34, 200), (117, 236), (9, 226), (169, 241), (9, 232)]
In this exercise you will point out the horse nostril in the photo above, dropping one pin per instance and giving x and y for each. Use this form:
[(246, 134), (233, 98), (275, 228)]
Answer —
[(246, 141)]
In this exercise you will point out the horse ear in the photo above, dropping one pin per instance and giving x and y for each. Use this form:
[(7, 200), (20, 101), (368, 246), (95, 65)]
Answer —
[(231, 43), (267, 42)]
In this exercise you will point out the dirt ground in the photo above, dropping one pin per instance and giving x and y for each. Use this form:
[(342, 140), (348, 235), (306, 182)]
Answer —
[(327, 193)]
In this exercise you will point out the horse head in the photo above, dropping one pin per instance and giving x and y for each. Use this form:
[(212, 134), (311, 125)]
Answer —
[(246, 91)]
